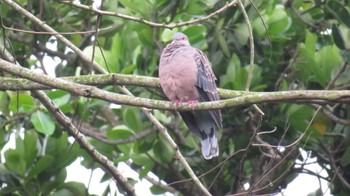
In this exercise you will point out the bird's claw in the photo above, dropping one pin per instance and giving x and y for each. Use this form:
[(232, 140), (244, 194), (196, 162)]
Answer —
[(177, 102), (193, 103)]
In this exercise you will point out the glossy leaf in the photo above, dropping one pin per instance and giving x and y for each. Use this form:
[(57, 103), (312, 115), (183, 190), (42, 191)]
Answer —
[(163, 151), (120, 132), (23, 102), (339, 11), (346, 158), (131, 117), (42, 164), (30, 147), (338, 37), (15, 161), (43, 123)]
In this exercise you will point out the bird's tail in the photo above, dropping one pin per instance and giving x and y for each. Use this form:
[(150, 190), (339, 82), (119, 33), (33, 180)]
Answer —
[(210, 147)]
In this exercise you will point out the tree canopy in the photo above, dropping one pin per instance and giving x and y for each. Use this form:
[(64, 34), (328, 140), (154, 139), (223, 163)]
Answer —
[(88, 70)]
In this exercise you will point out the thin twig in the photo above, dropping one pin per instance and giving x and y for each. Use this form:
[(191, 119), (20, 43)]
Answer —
[(150, 23), (335, 167), (251, 53), (251, 45), (241, 165), (51, 33)]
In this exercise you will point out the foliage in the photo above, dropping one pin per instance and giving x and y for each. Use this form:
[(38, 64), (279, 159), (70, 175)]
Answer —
[(298, 45)]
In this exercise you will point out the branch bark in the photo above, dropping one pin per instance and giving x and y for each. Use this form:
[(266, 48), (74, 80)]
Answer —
[(308, 96), (20, 84)]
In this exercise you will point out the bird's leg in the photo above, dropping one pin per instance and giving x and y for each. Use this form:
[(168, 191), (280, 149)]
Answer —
[(193, 103)]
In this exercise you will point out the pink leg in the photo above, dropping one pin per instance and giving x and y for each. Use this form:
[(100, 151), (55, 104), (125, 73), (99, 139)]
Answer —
[(193, 103)]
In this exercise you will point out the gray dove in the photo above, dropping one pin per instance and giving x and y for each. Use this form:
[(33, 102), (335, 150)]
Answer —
[(186, 76)]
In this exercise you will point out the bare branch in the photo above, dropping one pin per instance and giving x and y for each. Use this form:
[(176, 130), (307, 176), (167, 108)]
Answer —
[(335, 167)]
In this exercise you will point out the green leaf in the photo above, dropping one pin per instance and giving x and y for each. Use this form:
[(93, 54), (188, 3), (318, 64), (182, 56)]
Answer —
[(131, 117), (24, 102), (119, 132), (4, 101), (339, 11), (163, 151), (345, 160), (299, 115), (223, 44), (43, 123), (145, 34), (156, 190), (15, 162), (162, 117), (59, 97), (42, 164), (129, 69), (63, 152), (327, 59), (74, 188), (195, 34), (278, 21), (338, 37), (30, 140), (144, 145), (143, 160), (310, 41), (106, 58)]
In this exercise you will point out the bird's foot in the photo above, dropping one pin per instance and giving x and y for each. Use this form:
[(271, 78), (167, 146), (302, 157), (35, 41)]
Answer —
[(177, 103), (193, 103)]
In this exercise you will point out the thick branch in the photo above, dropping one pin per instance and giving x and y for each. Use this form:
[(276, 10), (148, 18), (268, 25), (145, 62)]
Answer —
[(72, 130), (19, 84), (254, 98)]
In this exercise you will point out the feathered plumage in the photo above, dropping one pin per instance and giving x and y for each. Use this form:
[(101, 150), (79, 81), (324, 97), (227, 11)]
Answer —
[(186, 76)]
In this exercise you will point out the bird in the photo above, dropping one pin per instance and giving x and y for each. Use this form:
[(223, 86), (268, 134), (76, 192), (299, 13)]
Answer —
[(186, 76)]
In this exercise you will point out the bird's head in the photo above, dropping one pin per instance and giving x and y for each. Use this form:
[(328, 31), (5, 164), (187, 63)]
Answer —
[(180, 38)]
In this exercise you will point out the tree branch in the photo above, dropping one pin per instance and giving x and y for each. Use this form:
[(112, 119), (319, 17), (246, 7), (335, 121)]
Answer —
[(150, 23), (253, 98), (84, 144), (20, 84)]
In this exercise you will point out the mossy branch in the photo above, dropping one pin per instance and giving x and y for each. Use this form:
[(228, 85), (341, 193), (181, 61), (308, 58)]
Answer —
[(239, 98)]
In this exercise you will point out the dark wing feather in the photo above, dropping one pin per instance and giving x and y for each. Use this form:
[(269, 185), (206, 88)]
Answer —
[(206, 85)]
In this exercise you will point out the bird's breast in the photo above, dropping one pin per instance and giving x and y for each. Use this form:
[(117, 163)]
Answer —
[(178, 76)]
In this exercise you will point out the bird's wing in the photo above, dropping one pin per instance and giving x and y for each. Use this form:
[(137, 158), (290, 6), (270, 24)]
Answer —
[(206, 85)]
